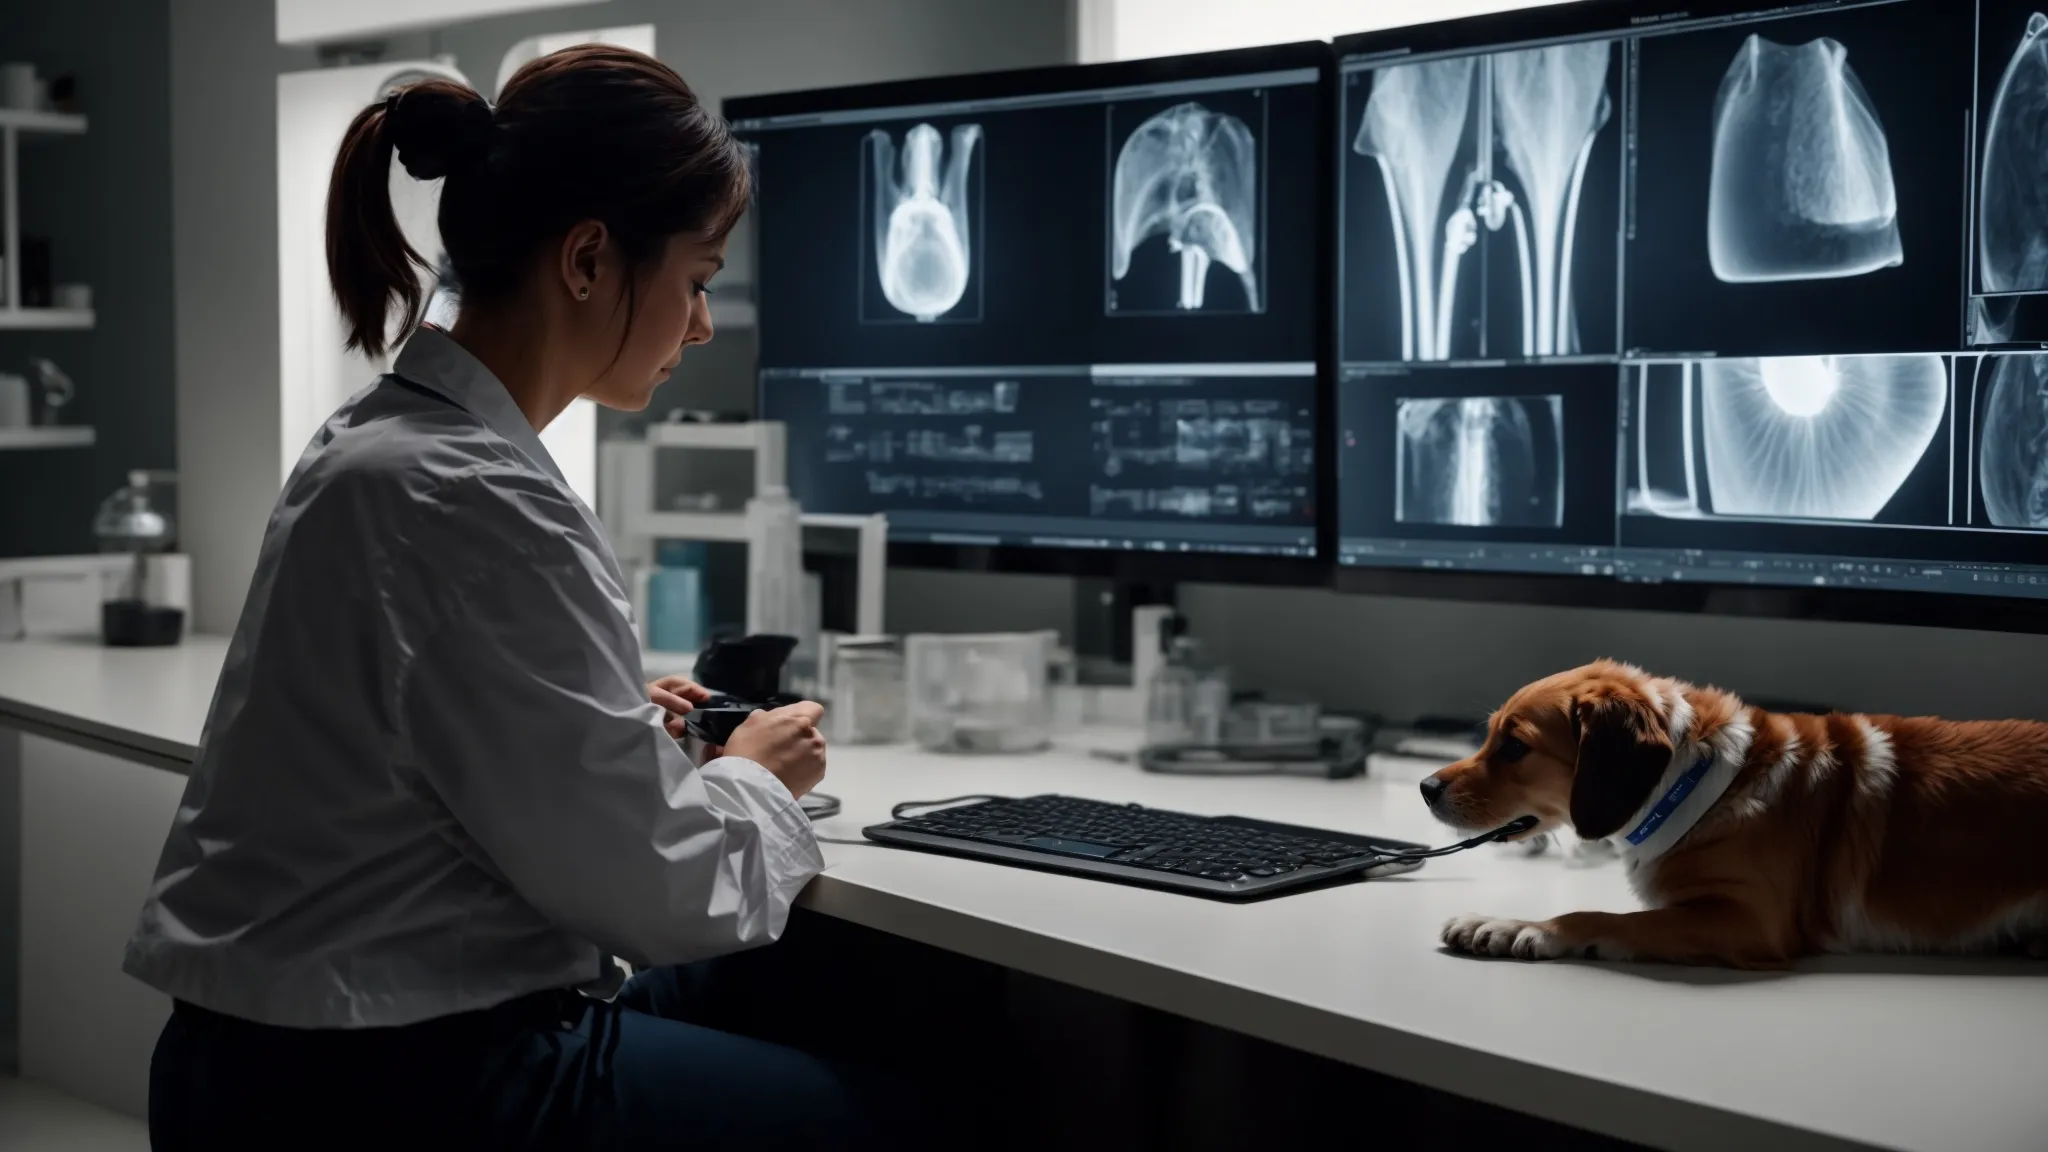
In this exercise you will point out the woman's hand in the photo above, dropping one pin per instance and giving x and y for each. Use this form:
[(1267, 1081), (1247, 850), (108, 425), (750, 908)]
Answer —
[(786, 742), (678, 696)]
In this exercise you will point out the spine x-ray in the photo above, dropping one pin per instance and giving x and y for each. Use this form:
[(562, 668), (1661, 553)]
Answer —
[(1802, 176), (1790, 437), (1476, 146), (1189, 176), (1479, 461), (2012, 191), (2012, 440), (923, 234)]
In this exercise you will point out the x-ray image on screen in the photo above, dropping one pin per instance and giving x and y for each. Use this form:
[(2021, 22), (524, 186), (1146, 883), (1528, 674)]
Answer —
[(1851, 438), (1481, 172), (1479, 461), (1187, 205), (2012, 441), (2012, 183), (921, 219), (1802, 179), (1799, 185)]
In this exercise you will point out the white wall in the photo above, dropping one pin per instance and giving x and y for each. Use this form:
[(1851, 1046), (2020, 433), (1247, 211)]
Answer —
[(1131, 29), (312, 21)]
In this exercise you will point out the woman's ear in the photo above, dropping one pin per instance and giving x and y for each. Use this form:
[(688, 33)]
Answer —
[(582, 257), (1623, 751)]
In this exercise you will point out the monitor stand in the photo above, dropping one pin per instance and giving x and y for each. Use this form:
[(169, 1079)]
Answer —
[(1103, 608)]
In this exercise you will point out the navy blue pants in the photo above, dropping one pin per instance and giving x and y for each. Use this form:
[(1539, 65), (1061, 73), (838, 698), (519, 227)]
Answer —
[(663, 1066)]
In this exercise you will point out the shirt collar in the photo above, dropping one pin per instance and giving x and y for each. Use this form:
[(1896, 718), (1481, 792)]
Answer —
[(433, 360)]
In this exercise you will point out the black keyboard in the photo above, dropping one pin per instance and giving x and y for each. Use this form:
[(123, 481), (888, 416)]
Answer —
[(1221, 856)]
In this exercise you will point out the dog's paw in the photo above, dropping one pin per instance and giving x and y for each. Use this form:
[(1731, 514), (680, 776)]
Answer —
[(1486, 936)]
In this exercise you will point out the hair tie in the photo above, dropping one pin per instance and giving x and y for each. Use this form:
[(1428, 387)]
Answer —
[(436, 132)]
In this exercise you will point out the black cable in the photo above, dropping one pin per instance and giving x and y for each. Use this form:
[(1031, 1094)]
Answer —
[(1518, 824)]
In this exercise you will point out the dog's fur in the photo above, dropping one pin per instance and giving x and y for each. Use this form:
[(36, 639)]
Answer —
[(1837, 833)]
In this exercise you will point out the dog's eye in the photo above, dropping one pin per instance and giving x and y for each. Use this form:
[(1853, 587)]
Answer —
[(1510, 750)]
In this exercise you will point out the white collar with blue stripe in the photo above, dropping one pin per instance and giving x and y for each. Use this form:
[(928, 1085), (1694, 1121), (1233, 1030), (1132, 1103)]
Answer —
[(1699, 774)]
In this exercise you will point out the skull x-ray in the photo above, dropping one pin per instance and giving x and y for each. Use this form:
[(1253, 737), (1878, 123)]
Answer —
[(2012, 186), (1186, 220), (1789, 437), (1479, 461), (922, 213), (2012, 440), (1802, 174), (1474, 152)]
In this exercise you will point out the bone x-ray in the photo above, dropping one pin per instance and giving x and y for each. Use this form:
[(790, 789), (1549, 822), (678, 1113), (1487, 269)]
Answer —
[(1798, 184), (1479, 206), (2009, 250), (2010, 442), (923, 207), (1479, 461), (1791, 438), (1187, 204)]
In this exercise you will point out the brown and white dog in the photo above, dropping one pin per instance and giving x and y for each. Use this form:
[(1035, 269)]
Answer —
[(1756, 837)]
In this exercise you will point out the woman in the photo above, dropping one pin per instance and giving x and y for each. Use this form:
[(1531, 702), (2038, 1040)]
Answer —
[(433, 799)]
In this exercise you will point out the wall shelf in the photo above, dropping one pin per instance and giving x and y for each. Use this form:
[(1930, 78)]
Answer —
[(43, 437), (42, 123), (45, 319)]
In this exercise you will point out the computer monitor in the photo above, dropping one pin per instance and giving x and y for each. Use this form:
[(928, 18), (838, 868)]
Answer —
[(1699, 305), (1066, 319)]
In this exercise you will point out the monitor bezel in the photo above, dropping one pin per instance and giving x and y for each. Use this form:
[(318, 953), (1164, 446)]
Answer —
[(1134, 564), (1774, 601)]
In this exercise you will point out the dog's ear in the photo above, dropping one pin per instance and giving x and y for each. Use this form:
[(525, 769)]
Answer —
[(1623, 751)]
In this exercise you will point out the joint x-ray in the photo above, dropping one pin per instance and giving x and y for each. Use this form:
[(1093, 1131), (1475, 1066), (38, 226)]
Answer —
[(1789, 437), (923, 234), (2012, 189), (1189, 175), (1472, 148), (1479, 461), (2012, 440), (1802, 176)]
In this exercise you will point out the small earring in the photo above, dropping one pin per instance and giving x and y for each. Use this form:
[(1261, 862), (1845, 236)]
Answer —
[(583, 293)]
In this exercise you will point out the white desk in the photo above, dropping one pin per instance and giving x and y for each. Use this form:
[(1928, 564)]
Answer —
[(1939, 1056)]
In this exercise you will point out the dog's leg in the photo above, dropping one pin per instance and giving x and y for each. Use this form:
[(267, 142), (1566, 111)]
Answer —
[(1706, 932)]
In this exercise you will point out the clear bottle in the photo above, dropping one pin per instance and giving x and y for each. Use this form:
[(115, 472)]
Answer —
[(775, 565)]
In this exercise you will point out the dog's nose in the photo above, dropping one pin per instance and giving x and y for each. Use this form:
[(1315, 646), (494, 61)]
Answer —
[(1432, 789)]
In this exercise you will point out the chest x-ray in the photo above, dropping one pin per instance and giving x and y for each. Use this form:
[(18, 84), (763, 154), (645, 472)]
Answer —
[(923, 231), (1475, 147), (1801, 187), (1480, 461), (1189, 176), (2012, 198)]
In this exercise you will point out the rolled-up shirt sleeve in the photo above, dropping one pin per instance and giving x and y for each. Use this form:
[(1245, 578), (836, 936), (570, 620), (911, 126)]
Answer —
[(524, 712)]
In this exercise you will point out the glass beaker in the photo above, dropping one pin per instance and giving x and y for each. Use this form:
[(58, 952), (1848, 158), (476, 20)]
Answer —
[(980, 692)]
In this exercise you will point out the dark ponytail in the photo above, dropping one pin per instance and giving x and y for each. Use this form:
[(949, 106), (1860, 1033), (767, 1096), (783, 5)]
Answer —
[(587, 133)]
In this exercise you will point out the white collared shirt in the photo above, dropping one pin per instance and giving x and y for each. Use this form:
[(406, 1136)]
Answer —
[(431, 779)]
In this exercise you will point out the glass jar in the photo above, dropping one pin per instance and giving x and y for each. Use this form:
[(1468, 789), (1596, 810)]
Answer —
[(980, 693), (870, 702)]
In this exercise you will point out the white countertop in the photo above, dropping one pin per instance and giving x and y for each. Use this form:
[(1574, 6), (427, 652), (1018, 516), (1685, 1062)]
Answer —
[(1934, 1055)]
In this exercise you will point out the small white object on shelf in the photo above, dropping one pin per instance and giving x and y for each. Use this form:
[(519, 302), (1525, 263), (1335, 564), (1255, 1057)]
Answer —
[(62, 436)]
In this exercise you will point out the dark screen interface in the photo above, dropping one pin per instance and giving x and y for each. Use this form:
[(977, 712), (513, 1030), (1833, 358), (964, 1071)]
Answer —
[(1750, 297), (1076, 319)]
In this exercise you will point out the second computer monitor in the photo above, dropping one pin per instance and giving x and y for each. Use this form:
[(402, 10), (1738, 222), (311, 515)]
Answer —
[(1721, 293), (1072, 310)]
